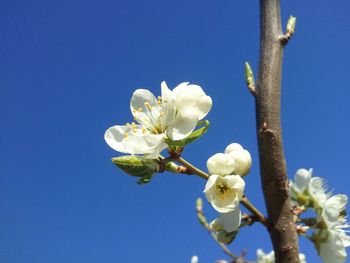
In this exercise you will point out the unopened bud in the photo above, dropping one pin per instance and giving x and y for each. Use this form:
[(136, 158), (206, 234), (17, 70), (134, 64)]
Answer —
[(242, 158), (291, 24), (249, 75)]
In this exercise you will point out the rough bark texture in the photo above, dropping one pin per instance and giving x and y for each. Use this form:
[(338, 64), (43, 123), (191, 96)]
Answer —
[(272, 161)]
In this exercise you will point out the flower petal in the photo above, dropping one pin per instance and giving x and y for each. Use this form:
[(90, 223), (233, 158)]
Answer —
[(125, 139), (192, 98), (144, 143), (140, 97), (231, 221), (302, 179), (221, 164), (183, 125), (168, 104), (114, 137)]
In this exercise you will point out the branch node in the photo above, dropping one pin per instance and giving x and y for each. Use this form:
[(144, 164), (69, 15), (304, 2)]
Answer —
[(289, 30)]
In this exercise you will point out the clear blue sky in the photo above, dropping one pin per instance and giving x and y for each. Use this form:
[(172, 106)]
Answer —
[(67, 71)]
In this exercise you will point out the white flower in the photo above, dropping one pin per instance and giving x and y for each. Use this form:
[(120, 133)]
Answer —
[(301, 180), (221, 164), (331, 211), (318, 191), (224, 193), (333, 249), (241, 157), (175, 115), (265, 258), (194, 259), (270, 257), (228, 222)]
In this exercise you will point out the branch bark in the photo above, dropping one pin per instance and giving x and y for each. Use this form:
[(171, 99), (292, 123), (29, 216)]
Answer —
[(271, 154)]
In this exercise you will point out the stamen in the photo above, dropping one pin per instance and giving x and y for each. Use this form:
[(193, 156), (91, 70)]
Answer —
[(128, 125), (133, 127), (144, 130), (140, 109), (126, 135), (148, 106)]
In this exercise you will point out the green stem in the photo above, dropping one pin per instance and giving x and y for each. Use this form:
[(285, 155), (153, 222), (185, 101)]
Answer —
[(247, 204), (192, 168)]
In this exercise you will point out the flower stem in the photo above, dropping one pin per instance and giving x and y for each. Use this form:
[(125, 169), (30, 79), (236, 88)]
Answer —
[(247, 204), (192, 168)]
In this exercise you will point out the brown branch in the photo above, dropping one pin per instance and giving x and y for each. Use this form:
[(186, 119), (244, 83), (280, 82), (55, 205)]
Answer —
[(271, 154)]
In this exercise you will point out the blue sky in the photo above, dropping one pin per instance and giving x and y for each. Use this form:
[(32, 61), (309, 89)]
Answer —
[(67, 72)]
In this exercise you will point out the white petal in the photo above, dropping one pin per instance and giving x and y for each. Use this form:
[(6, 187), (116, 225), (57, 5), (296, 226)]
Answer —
[(210, 183), (114, 136), (168, 105), (144, 143), (221, 164), (338, 201), (231, 221), (302, 179), (233, 147), (192, 98), (183, 125), (333, 251), (237, 183), (140, 97), (125, 139)]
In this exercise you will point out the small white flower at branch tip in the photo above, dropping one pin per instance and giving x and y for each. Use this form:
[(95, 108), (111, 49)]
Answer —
[(173, 115), (224, 193), (270, 257), (242, 158), (221, 164), (194, 259)]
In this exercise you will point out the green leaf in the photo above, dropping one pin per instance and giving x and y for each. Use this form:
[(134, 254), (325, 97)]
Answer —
[(137, 166), (192, 137)]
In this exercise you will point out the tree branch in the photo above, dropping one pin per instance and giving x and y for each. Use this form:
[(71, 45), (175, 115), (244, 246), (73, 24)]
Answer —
[(271, 154)]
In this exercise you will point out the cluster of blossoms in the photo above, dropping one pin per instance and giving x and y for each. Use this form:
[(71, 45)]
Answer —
[(173, 115), (329, 225), (225, 188)]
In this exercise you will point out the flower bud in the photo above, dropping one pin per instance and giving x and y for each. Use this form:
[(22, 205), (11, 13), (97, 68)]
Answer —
[(221, 164), (241, 157)]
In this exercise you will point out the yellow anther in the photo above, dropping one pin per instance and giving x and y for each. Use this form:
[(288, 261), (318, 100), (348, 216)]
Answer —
[(148, 106), (133, 127), (133, 110), (159, 98), (161, 114), (126, 135), (128, 125), (140, 109), (144, 130)]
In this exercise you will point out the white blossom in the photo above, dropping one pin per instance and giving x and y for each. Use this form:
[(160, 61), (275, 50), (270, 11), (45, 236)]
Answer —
[(228, 222), (333, 249), (270, 257), (175, 115), (224, 193), (194, 259), (301, 180), (221, 164), (242, 158)]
